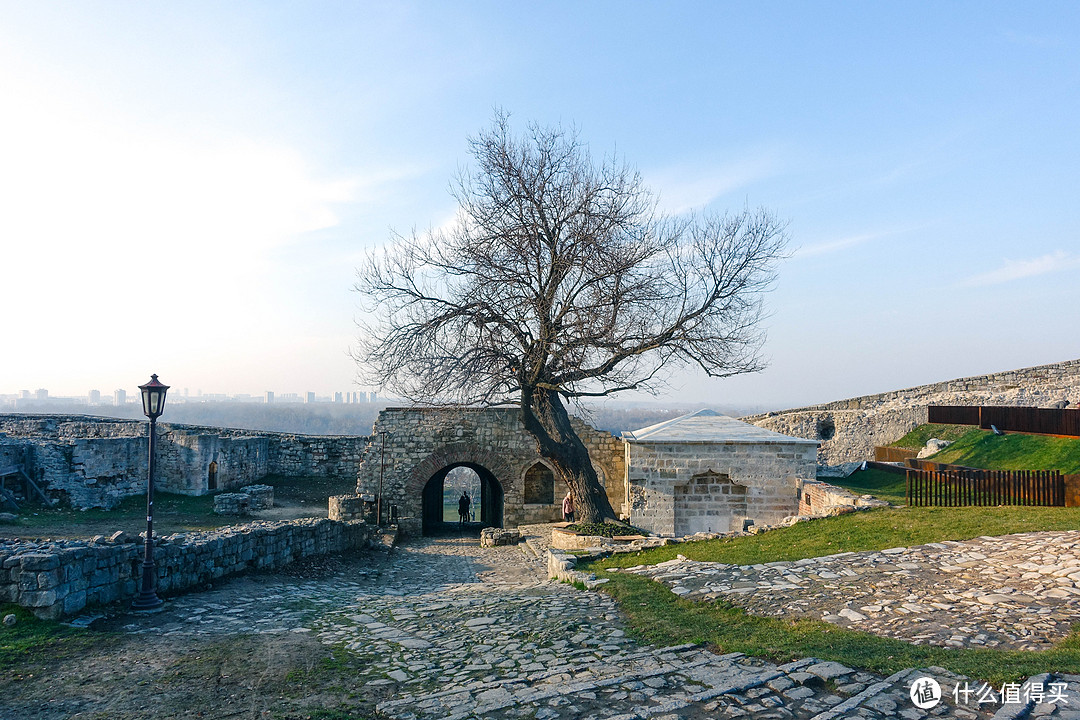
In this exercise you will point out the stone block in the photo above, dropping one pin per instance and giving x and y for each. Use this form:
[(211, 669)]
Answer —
[(232, 503), (262, 496)]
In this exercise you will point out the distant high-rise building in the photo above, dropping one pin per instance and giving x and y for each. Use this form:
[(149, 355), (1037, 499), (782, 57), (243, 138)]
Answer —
[(24, 394), (372, 396), (310, 397), (269, 397), (42, 394), (119, 397), (337, 397), (94, 397)]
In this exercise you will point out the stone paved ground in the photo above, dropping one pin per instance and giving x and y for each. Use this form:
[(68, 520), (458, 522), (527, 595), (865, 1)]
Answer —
[(448, 630), (1017, 591)]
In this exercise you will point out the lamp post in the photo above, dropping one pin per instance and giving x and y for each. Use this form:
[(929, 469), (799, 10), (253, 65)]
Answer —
[(382, 470), (153, 402)]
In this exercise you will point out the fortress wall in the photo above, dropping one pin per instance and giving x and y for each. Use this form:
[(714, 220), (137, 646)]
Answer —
[(96, 462), (849, 429), (57, 579)]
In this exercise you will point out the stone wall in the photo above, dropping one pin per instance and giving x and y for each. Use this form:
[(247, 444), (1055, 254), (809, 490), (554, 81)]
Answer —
[(819, 498), (55, 579), (96, 462), (849, 429), (684, 488), (422, 443)]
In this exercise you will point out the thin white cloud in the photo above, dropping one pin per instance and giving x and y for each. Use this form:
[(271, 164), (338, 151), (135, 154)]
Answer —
[(689, 187), (1019, 269), (832, 246), (1032, 40)]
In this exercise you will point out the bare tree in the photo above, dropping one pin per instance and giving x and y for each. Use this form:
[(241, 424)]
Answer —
[(559, 279)]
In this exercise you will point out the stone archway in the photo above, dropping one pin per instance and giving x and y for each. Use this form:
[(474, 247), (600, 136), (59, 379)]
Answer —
[(409, 446), (426, 482), (489, 503)]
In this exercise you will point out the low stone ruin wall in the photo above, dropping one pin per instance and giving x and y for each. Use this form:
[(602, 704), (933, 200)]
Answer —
[(55, 579), (250, 498), (96, 462), (818, 498)]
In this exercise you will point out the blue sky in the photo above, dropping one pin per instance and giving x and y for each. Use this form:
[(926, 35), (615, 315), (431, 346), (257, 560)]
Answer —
[(240, 157)]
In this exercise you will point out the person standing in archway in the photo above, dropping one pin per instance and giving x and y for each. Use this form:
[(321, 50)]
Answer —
[(463, 508), (568, 508)]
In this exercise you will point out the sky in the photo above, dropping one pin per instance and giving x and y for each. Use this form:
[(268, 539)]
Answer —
[(187, 188)]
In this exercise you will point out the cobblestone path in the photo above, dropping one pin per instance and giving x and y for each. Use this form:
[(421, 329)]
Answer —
[(451, 631), (1016, 591)]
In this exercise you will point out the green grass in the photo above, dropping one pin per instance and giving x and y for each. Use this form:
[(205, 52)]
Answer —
[(657, 615), (172, 513), (869, 530), (883, 485), (917, 438), (983, 449), (33, 644)]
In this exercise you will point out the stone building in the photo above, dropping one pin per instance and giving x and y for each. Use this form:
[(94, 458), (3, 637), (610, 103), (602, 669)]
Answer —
[(705, 472), (413, 449), (700, 472)]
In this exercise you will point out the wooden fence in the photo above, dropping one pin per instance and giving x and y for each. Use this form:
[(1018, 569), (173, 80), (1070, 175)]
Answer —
[(886, 453), (962, 488), (1040, 421)]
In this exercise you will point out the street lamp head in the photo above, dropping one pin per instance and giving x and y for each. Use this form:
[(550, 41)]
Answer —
[(153, 397)]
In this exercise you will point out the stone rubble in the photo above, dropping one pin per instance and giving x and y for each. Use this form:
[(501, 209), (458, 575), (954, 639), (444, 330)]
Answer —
[(1017, 592), (450, 631)]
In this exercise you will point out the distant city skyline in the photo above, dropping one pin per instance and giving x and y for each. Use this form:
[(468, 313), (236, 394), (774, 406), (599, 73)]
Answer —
[(95, 398), (186, 189)]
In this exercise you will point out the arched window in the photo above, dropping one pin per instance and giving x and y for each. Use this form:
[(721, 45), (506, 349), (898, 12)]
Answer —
[(211, 477), (539, 485)]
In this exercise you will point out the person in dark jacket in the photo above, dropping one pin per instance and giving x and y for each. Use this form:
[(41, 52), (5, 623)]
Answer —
[(463, 508)]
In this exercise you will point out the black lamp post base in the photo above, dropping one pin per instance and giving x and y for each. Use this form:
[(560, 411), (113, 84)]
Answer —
[(147, 603)]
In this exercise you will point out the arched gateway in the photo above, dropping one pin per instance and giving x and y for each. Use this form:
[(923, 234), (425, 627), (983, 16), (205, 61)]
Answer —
[(422, 446)]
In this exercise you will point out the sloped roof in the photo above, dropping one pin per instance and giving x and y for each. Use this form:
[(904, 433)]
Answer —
[(709, 426)]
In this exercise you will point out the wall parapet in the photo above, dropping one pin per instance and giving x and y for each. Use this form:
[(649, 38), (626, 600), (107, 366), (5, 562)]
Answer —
[(850, 429), (55, 579)]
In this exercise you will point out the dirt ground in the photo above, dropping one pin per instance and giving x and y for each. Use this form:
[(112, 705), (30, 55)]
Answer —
[(154, 676)]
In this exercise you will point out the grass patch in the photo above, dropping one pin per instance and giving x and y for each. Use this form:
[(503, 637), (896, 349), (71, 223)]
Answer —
[(1013, 451), (917, 438), (172, 512), (608, 530), (659, 617), (34, 644), (868, 530), (883, 485)]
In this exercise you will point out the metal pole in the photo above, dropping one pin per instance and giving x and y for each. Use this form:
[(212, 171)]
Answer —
[(148, 599), (382, 470)]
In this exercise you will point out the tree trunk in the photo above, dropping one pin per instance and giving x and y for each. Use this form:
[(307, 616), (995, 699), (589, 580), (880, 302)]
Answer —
[(546, 419)]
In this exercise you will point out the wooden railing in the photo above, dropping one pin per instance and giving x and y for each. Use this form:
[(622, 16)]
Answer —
[(1006, 418), (968, 487), (887, 453)]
